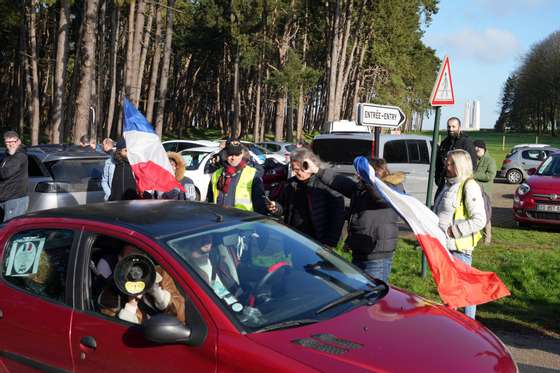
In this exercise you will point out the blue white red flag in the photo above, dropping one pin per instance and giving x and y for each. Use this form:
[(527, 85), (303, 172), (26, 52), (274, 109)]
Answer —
[(146, 154), (458, 284)]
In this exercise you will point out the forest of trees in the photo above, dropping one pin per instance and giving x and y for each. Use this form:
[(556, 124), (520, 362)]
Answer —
[(531, 95), (245, 67)]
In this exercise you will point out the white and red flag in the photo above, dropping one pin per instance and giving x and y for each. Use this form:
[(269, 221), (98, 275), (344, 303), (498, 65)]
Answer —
[(458, 284), (148, 159)]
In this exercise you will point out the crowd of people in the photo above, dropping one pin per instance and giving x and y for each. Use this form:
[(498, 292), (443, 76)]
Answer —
[(312, 201)]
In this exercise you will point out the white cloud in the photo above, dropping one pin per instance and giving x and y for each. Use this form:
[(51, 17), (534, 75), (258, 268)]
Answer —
[(487, 46)]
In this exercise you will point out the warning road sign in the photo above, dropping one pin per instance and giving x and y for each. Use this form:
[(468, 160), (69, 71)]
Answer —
[(442, 93)]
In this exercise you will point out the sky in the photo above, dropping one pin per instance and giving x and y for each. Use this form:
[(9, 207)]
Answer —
[(485, 41)]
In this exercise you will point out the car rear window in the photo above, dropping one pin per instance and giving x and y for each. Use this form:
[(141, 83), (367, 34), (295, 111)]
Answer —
[(193, 159), (341, 151), (76, 169)]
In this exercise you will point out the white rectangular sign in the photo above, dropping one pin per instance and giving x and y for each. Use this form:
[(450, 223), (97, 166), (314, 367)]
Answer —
[(380, 115)]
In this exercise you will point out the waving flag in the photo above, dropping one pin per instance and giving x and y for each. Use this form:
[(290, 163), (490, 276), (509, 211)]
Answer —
[(146, 155), (458, 284)]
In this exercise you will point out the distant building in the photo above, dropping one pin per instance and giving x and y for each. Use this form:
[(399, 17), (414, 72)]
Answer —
[(471, 121)]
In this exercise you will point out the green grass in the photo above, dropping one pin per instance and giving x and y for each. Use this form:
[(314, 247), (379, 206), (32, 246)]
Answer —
[(528, 262)]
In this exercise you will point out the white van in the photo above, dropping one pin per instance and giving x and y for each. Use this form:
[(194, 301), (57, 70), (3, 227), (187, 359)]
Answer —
[(407, 153)]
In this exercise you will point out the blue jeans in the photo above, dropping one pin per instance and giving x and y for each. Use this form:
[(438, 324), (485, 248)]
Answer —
[(378, 268), (470, 311), (14, 207)]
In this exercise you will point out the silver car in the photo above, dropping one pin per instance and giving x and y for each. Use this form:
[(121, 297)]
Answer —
[(522, 158), (60, 177)]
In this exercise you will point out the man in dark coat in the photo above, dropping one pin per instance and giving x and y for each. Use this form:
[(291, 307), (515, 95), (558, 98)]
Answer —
[(13, 178), (307, 204), (456, 139), (123, 186)]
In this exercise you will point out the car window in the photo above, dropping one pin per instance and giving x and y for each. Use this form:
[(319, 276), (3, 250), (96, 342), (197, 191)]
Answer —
[(185, 145), (341, 151), (395, 151), (290, 148), (76, 170), (273, 147), (418, 151), (33, 167), (127, 284), (550, 167), (170, 147), (193, 159), (533, 155), (37, 261), (264, 273)]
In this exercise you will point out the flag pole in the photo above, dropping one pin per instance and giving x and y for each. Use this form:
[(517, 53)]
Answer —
[(432, 174)]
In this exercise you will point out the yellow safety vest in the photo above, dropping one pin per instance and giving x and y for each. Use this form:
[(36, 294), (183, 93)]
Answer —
[(465, 243), (242, 191)]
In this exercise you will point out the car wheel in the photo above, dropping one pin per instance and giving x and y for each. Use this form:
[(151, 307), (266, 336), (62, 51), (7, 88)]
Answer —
[(514, 176)]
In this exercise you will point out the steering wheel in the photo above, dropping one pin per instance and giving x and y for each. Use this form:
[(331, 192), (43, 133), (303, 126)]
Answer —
[(273, 270)]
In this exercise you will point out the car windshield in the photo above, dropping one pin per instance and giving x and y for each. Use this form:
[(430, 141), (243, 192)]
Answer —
[(341, 151), (268, 276), (193, 159), (550, 167), (74, 170), (290, 147)]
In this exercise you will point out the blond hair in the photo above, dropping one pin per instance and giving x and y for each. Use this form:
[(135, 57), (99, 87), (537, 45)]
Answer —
[(462, 163)]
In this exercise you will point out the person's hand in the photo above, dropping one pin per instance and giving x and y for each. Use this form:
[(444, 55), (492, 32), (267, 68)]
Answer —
[(310, 167), (450, 232), (271, 206)]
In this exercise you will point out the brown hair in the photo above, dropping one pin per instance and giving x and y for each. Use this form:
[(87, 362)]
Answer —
[(380, 167)]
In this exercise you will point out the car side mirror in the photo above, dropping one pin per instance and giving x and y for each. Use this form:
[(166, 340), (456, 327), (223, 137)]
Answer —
[(531, 171), (166, 329)]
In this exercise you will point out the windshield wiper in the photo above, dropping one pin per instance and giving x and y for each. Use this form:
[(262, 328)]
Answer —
[(287, 324), (366, 293)]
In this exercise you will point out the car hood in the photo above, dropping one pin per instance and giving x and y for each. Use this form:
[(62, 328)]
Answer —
[(400, 333), (549, 184)]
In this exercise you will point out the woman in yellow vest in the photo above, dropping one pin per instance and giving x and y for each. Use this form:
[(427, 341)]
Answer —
[(236, 184), (460, 209)]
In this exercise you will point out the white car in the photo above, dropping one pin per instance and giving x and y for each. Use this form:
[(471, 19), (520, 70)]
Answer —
[(260, 151), (179, 145)]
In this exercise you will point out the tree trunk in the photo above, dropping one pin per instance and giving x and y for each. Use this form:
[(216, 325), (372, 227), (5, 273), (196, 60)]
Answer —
[(35, 104), (115, 15), (145, 46), (129, 49), (236, 98), (279, 119), (155, 67), (136, 52), (333, 63), (165, 68), (88, 44)]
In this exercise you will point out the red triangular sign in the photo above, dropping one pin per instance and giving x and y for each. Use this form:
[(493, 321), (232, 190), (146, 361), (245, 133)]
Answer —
[(442, 93)]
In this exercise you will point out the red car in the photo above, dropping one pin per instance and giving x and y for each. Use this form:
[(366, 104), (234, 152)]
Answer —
[(82, 290), (537, 200)]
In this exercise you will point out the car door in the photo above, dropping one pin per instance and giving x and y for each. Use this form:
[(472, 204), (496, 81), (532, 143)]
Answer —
[(103, 343), (531, 158), (36, 298), (410, 156)]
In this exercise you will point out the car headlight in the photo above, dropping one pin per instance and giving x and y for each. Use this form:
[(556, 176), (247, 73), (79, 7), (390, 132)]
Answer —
[(523, 189)]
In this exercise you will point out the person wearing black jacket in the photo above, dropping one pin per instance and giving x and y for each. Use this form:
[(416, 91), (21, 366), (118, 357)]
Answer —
[(123, 186), (14, 178), (456, 139), (307, 204), (372, 227)]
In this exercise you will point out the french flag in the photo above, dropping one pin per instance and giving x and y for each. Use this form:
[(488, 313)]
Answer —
[(146, 155), (458, 284)]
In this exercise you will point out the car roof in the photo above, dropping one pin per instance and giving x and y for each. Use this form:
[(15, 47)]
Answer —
[(155, 218), (201, 142), (56, 155), (367, 136), (201, 149)]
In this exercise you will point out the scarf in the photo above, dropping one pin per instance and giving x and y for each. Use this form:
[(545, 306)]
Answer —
[(227, 174)]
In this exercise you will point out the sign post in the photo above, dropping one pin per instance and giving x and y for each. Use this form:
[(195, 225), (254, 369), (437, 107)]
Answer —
[(378, 116), (442, 95)]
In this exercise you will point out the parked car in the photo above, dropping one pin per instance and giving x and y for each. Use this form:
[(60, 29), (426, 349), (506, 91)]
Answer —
[(407, 153), (293, 305), (268, 154), (521, 158), (278, 147), (537, 200), (59, 177), (179, 145)]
